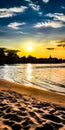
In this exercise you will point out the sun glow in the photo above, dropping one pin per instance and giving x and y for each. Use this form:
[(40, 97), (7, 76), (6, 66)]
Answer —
[(29, 48)]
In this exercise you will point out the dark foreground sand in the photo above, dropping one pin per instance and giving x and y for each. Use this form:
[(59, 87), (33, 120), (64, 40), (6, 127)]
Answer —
[(23, 111)]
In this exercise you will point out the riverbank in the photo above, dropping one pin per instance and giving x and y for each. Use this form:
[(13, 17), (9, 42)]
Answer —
[(25, 107), (38, 93)]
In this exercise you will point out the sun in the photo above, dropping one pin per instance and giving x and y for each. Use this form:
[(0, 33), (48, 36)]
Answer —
[(29, 48)]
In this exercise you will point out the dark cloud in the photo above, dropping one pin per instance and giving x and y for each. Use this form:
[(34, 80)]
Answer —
[(50, 48), (61, 43), (2, 48), (12, 51)]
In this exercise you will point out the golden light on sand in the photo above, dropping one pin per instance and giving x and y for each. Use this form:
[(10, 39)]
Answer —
[(29, 48)]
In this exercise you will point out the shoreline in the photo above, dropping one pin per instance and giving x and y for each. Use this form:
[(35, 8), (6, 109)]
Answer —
[(38, 93)]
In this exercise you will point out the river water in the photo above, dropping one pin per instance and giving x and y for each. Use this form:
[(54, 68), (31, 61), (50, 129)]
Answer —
[(46, 76)]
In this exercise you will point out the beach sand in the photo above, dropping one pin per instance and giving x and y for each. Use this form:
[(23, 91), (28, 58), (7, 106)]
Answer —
[(28, 108)]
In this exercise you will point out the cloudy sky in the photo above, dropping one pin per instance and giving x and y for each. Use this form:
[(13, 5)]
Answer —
[(39, 24)]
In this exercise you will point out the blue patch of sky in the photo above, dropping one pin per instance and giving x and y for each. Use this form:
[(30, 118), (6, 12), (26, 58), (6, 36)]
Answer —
[(30, 16)]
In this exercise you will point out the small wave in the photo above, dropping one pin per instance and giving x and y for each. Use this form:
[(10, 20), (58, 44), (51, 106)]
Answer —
[(43, 85), (53, 83)]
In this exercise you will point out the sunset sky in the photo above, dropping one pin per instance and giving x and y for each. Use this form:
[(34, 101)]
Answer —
[(35, 27)]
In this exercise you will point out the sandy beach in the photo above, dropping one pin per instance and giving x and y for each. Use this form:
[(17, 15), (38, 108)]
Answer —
[(28, 108)]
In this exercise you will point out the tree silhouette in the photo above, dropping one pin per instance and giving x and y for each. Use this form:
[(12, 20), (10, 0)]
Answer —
[(31, 59), (23, 59), (2, 55), (12, 56)]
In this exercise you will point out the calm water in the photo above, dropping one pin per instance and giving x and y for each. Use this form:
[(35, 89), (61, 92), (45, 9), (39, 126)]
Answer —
[(47, 76)]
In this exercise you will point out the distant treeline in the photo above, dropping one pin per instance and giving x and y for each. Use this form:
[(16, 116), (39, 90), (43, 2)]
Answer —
[(11, 57)]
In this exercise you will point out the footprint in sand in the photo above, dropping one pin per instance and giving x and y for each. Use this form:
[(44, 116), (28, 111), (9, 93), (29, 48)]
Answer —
[(22, 112)]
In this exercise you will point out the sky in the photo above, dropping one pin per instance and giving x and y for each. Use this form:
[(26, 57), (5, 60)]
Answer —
[(35, 27)]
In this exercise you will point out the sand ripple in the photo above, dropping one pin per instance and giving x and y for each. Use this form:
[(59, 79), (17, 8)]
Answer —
[(22, 112)]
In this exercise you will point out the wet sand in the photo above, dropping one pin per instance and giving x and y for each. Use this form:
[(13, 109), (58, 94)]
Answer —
[(27, 108)]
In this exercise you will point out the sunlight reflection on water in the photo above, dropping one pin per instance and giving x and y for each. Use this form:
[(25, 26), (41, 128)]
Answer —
[(29, 73), (47, 76)]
